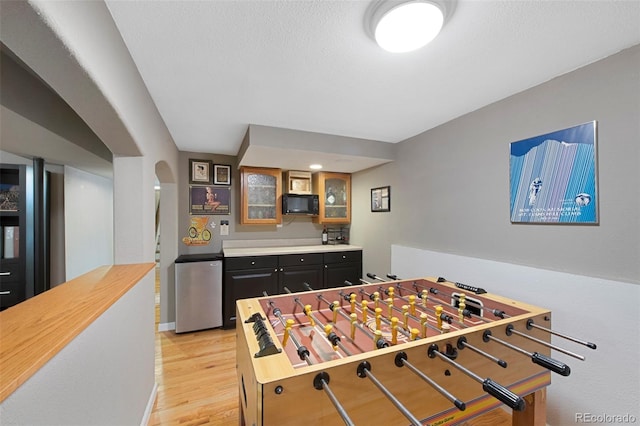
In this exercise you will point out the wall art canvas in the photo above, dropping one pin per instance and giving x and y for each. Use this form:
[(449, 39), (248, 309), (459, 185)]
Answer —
[(553, 177), (209, 200)]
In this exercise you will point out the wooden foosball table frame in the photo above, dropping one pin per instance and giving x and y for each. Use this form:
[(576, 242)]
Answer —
[(277, 387)]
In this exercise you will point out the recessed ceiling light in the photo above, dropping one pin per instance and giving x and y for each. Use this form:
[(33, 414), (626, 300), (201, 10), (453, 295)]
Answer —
[(406, 25), (315, 166)]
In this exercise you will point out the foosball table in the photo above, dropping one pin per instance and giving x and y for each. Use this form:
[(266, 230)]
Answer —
[(422, 351)]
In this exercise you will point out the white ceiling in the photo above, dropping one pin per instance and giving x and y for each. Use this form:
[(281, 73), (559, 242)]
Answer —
[(213, 67)]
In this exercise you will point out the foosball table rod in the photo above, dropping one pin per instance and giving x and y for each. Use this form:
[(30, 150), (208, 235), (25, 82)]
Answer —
[(401, 361), (511, 330), (303, 352), (537, 358), (494, 389), (364, 371), (530, 324), (321, 382), (462, 343)]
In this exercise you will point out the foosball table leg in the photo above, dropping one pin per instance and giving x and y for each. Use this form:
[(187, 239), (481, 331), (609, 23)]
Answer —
[(535, 413)]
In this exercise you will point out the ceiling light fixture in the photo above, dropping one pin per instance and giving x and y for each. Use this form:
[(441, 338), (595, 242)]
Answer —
[(406, 25), (315, 166)]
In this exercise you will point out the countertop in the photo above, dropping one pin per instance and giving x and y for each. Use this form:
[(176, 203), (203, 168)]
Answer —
[(206, 257), (271, 251), (37, 329)]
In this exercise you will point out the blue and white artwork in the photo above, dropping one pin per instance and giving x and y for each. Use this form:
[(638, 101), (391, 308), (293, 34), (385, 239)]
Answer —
[(553, 177)]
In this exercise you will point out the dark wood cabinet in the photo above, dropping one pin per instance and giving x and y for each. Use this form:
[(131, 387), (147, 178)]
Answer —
[(342, 266), (248, 277)]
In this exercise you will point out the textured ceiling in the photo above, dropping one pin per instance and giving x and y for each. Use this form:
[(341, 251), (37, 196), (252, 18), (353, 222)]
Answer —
[(213, 67)]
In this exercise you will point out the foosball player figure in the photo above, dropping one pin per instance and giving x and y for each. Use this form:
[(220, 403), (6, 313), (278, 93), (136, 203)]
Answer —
[(352, 300), (378, 318), (439, 310), (414, 334), (287, 331), (461, 307), (424, 296), (412, 304), (376, 298), (354, 322), (308, 311), (389, 308), (365, 311), (423, 324), (331, 336), (394, 330), (334, 308), (405, 314)]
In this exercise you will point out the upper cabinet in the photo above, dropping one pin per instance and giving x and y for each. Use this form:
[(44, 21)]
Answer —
[(334, 190), (260, 194)]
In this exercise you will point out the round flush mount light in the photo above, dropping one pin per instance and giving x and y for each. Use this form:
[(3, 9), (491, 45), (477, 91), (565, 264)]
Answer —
[(406, 25)]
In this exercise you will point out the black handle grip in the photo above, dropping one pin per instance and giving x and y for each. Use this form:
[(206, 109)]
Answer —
[(551, 364), (370, 275), (503, 395)]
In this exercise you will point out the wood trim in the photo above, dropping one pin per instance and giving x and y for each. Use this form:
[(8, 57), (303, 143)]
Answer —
[(34, 331)]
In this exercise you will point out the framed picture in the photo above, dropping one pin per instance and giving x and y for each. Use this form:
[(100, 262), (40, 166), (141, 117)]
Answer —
[(553, 177), (200, 171), (221, 174), (209, 200), (381, 199)]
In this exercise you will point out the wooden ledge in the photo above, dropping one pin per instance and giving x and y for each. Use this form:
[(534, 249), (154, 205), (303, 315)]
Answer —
[(34, 331)]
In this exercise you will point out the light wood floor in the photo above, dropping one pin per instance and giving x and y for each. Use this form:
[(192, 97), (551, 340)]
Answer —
[(197, 385)]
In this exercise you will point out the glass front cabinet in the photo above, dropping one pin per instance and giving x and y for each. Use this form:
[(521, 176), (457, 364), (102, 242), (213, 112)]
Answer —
[(334, 190), (261, 195)]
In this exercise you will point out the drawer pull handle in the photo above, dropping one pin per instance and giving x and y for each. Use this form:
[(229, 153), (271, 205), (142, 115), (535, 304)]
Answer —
[(5, 274), (302, 260), (344, 257), (4, 293), (253, 262)]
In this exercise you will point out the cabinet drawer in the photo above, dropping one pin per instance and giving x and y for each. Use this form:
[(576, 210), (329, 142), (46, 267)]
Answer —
[(250, 262), (301, 259), (11, 271), (11, 294), (343, 256)]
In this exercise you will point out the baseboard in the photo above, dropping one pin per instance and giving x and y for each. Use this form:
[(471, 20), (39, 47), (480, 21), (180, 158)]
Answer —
[(149, 409), (166, 326)]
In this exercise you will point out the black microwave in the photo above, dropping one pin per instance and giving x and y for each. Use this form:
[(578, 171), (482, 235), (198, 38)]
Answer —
[(300, 204)]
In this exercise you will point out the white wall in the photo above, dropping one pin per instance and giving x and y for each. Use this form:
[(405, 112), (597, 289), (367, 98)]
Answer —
[(596, 310), (102, 377), (88, 206)]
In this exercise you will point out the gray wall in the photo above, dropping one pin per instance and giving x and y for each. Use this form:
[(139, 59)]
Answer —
[(450, 188), (292, 226)]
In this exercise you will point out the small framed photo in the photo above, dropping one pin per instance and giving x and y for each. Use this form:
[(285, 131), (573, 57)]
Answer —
[(221, 174), (209, 200), (200, 171), (381, 199)]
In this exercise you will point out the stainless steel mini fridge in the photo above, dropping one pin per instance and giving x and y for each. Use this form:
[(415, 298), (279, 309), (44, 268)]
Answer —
[(198, 292)]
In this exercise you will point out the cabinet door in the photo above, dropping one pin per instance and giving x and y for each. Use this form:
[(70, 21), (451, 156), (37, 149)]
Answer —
[(246, 284), (337, 273), (293, 277), (334, 191), (261, 195)]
